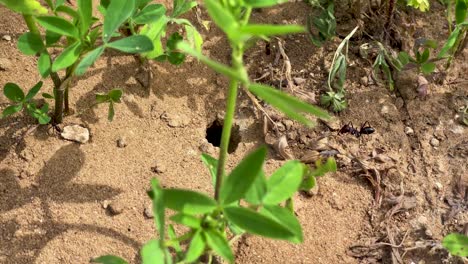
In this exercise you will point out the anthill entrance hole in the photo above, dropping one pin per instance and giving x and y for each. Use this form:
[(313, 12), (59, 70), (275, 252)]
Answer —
[(214, 131)]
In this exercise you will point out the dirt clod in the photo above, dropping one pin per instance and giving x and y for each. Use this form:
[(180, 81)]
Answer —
[(158, 168)]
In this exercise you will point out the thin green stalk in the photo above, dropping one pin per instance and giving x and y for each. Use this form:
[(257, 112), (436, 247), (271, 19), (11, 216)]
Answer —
[(226, 134)]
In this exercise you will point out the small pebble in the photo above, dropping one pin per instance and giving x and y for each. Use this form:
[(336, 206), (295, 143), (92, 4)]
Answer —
[(6, 37), (385, 109), (438, 186), (288, 124), (298, 80), (121, 142), (105, 204), (434, 142), (365, 81), (148, 212), (409, 131), (115, 208)]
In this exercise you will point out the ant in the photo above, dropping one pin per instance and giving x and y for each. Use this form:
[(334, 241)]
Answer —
[(349, 128)]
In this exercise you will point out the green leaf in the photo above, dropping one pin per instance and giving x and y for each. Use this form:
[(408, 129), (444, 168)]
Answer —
[(176, 58), (286, 218), (188, 202), (26, 7), (258, 190), (270, 30), (33, 91), (13, 92), (117, 12), (109, 259), (12, 109), (461, 8), (257, 223), (219, 244), (115, 95), (88, 60), (186, 220), (173, 236), (30, 43), (221, 68), (152, 252), (111, 113), (43, 64), (158, 207), (222, 18), (212, 165), (132, 44), (140, 3), (288, 104), (456, 244), (69, 56), (452, 39), (182, 6), (58, 25), (262, 3), (102, 98), (51, 38), (68, 11), (428, 67), (242, 177), (47, 96), (155, 31), (150, 14), (173, 40), (194, 38), (85, 10), (321, 169), (196, 248), (284, 182)]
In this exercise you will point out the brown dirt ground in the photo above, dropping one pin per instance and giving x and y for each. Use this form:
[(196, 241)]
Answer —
[(52, 191)]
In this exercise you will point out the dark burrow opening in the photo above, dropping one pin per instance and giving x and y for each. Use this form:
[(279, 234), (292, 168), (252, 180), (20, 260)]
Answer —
[(214, 131)]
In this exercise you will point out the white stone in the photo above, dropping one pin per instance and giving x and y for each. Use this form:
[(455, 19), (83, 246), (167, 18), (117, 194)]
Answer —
[(76, 133)]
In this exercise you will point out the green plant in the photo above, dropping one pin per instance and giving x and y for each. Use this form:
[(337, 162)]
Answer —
[(325, 23), (422, 5), (151, 20), (245, 201), (421, 58), (458, 36), (77, 35), (16, 95), (456, 244), (335, 97), (111, 98)]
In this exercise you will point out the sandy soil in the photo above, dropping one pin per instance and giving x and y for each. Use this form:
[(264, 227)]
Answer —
[(392, 187)]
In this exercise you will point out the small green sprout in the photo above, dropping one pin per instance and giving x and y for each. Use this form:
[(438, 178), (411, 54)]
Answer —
[(16, 95), (111, 98), (325, 23), (456, 244)]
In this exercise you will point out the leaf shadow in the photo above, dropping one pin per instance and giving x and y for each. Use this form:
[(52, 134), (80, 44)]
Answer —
[(54, 185)]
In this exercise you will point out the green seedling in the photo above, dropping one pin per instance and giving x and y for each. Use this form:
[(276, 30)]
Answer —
[(421, 59), (79, 36), (21, 101), (456, 244), (325, 24), (335, 97), (152, 21), (458, 35), (110, 98), (245, 201)]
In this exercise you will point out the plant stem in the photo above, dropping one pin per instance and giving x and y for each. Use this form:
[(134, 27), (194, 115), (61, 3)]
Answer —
[(226, 134)]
